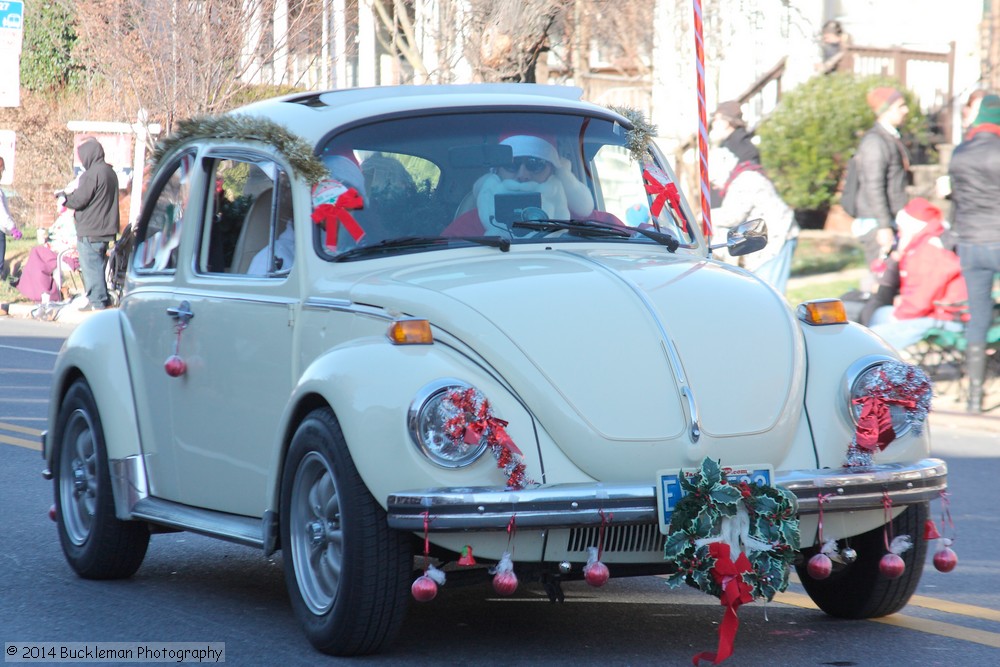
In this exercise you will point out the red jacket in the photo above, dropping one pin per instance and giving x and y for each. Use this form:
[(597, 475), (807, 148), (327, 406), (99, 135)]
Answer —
[(929, 273)]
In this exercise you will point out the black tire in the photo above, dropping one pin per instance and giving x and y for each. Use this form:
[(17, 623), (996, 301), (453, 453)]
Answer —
[(859, 590), (347, 573), (96, 543)]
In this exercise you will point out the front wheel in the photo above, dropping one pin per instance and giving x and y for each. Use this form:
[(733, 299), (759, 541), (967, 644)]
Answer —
[(859, 590), (346, 571), (97, 544)]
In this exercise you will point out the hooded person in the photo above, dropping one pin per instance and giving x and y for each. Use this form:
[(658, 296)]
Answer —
[(536, 167), (95, 201)]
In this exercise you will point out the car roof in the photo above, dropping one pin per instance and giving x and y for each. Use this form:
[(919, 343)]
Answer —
[(314, 114)]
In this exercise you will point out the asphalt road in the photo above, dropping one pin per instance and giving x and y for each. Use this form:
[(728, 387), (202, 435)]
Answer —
[(194, 589)]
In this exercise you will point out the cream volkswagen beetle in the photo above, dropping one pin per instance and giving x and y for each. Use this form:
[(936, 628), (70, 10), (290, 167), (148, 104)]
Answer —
[(394, 332)]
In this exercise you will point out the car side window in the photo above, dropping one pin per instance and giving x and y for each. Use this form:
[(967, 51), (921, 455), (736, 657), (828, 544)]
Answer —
[(157, 248), (249, 226)]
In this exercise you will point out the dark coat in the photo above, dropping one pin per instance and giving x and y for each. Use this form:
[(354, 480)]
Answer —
[(95, 200), (975, 188), (884, 172)]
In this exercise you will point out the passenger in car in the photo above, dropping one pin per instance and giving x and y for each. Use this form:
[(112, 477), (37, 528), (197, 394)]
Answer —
[(536, 168)]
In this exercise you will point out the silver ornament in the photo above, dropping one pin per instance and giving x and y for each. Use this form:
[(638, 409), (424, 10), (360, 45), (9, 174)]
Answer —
[(849, 555), (565, 567)]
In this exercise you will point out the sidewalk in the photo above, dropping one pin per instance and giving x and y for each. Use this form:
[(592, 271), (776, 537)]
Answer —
[(66, 314)]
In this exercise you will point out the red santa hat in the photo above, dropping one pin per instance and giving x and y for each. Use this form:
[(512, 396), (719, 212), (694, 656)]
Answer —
[(528, 145), (919, 211)]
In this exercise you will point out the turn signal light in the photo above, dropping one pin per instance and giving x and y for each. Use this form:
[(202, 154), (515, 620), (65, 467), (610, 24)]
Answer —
[(410, 332), (822, 312)]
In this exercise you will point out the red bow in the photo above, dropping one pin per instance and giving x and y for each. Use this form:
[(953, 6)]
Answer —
[(735, 591), (875, 423), (498, 434), (336, 214), (664, 193)]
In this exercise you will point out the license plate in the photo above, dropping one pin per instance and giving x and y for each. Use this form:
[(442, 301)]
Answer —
[(669, 492)]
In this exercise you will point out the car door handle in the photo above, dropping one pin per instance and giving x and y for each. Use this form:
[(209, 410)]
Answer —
[(181, 313)]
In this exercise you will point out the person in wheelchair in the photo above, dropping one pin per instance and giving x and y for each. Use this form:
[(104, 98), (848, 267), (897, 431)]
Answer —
[(536, 168)]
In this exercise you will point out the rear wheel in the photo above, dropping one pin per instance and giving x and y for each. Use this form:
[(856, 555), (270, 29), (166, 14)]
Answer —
[(96, 543), (859, 590), (346, 571)]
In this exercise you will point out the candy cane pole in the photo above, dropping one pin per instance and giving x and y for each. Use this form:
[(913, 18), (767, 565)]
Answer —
[(699, 52)]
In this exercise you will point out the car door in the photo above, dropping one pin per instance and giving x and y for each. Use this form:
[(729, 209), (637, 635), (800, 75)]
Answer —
[(230, 320)]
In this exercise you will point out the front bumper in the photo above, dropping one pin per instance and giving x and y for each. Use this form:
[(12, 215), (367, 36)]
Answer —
[(584, 505)]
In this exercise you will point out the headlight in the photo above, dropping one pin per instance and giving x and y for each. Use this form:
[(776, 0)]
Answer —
[(428, 418), (862, 378)]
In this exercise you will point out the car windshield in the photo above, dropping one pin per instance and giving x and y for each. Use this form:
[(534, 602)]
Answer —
[(424, 183)]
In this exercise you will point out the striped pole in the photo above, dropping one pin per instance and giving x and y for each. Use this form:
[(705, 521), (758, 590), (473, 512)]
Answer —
[(699, 50)]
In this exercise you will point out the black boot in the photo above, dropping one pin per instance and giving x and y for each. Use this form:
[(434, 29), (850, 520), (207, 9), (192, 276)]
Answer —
[(975, 369)]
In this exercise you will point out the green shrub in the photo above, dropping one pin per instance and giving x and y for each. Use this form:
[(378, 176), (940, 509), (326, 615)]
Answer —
[(812, 133)]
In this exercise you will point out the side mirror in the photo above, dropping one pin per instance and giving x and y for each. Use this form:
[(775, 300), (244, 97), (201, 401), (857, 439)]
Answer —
[(747, 237)]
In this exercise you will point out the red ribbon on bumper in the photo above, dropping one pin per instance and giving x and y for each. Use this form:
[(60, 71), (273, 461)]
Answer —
[(336, 214), (663, 193), (729, 576)]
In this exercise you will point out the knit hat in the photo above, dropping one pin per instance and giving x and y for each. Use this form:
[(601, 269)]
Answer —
[(732, 112), (989, 111), (880, 99)]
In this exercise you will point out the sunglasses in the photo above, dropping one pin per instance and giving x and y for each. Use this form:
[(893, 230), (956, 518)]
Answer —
[(533, 165)]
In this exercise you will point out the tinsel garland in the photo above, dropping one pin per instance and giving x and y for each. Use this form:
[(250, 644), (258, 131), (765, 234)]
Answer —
[(895, 383), (246, 127), (638, 138), (473, 421)]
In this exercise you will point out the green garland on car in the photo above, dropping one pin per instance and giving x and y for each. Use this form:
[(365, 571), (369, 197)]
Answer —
[(246, 127), (710, 508)]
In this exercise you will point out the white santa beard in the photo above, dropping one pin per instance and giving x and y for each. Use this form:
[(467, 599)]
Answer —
[(553, 197)]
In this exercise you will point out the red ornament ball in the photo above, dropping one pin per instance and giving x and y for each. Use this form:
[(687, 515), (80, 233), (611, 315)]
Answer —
[(596, 574), (175, 366), (424, 589), (891, 566), (52, 514), (945, 560), (505, 583), (820, 566)]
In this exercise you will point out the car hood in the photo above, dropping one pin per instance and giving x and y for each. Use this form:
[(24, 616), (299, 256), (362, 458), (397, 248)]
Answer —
[(621, 349)]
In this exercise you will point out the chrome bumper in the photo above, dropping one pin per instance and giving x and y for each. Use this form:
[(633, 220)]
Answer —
[(580, 505)]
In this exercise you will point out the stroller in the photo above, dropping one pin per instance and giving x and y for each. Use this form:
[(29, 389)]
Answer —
[(118, 259)]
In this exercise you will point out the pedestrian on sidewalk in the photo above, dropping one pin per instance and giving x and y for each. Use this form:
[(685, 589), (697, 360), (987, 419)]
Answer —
[(7, 226), (884, 173), (747, 193), (95, 201), (975, 196)]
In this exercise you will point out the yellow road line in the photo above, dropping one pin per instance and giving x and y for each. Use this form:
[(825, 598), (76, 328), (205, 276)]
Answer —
[(942, 629), (918, 624), (955, 608), (21, 442), (19, 429)]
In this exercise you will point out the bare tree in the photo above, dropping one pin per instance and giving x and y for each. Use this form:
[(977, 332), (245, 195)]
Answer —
[(179, 58)]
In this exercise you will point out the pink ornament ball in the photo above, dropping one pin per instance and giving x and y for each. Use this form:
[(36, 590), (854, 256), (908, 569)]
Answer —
[(505, 583), (175, 366), (945, 560), (891, 566), (596, 574), (820, 566), (424, 589)]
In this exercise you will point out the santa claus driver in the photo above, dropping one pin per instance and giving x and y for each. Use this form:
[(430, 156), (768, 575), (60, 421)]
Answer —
[(535, 168)]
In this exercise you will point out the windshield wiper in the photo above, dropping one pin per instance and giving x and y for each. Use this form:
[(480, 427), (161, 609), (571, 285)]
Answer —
[(595, 228), (420, 241)]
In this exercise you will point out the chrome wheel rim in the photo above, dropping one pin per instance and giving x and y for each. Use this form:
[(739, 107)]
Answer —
[(316, 535), (78, 477)]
